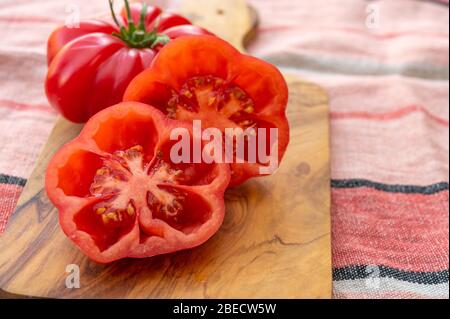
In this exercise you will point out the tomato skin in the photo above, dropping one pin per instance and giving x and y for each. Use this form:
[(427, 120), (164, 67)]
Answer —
[(71, 73), (71, 171), (72, 78), (152, 13), (191, 57), (168, 19), (63, 35)]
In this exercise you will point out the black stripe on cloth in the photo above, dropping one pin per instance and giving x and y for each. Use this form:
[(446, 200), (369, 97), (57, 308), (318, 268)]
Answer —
[(406, 189), (362, 272), (12, 180)]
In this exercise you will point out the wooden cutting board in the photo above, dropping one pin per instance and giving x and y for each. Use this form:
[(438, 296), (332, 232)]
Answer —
[(274, 242)]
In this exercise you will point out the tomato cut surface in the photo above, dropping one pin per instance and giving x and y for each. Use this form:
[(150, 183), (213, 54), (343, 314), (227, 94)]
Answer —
[(205, 78), (120, 195)]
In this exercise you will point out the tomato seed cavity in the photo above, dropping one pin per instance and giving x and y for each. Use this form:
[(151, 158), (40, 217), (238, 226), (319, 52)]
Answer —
[(124, 180), (208, 94)]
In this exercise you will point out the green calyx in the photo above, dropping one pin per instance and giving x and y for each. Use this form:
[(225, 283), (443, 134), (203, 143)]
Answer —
[(136, 36)]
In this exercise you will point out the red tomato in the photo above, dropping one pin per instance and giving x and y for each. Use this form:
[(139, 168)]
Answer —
[(204, 77), (120, 195), (90, 66)]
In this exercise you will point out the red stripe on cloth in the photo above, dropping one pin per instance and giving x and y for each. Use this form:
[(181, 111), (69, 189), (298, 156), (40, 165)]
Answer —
[(29, 19), (388, 115), (9, 195), (26, 107), (403, 231)]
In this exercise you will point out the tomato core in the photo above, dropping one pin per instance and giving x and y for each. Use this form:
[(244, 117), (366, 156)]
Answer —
[(210, 98), (125, 179)]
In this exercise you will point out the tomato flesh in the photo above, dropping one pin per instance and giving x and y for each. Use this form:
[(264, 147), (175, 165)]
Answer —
[(126, 178), (205, 78), (119, 194), (208, 97)]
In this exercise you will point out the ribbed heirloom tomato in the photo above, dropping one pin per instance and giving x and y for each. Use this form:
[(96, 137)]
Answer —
[(91, 65), (205, 78), (120, 195)]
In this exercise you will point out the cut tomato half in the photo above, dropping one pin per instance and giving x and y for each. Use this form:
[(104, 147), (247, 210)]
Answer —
[(120, 195), (205, 78)]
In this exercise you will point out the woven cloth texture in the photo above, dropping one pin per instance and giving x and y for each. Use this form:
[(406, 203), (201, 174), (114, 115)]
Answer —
[(385, 67)]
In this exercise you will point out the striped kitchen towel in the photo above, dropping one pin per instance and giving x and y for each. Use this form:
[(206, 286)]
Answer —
[(385, 67)]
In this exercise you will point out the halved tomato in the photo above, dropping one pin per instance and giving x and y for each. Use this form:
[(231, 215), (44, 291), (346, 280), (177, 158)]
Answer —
[(205, 78), (120, 195)]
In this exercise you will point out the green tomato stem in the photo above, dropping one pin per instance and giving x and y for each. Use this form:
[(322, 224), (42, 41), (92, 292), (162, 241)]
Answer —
[(137, 37)]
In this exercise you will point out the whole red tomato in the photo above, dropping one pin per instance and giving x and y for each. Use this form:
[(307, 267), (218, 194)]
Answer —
[(205, 78), (120, 195), (90, 66)]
